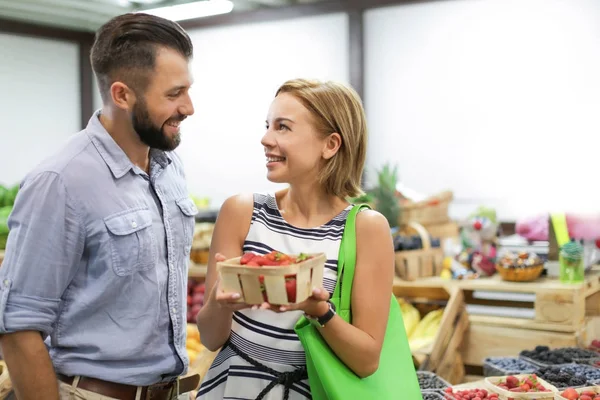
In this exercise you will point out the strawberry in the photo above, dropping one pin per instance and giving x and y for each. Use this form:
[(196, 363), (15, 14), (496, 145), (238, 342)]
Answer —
[(512, 381), (247, 257), (570, 394), (261, 260), (290, 288), (252, 264)]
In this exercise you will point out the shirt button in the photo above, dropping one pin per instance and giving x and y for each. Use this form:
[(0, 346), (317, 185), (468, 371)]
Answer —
[(174, 310), (133, 224)]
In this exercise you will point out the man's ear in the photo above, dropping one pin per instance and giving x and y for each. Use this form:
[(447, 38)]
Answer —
[(122, 96), (332, 145)]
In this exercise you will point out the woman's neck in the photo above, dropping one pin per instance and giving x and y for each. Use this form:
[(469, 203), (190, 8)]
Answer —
[(307, 207)]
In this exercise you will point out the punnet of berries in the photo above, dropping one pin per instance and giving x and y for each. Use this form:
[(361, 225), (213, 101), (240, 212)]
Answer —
[(522, 384)]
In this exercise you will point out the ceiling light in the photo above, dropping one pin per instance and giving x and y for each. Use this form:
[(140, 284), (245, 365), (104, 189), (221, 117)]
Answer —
[(195, 9)]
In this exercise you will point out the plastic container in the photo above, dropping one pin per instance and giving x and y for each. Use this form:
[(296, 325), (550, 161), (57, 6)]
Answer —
[(432, 395), (492, 366), (428, 381), (492, 381), (591, 374), (572, 267), (596, 389)]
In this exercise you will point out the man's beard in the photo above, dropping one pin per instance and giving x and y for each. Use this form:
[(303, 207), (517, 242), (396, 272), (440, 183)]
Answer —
[(150, 134)]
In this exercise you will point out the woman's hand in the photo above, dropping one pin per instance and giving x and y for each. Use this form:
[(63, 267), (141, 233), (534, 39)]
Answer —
[(222, 299), (316, 305)]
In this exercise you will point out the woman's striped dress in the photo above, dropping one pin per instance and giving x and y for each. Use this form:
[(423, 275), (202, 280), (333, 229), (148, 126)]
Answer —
[(263, 335)]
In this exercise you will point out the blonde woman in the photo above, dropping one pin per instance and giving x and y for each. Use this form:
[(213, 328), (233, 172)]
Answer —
[(316, 142)]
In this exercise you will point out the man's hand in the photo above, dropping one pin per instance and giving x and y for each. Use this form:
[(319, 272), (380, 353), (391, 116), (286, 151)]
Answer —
[(29, 364)]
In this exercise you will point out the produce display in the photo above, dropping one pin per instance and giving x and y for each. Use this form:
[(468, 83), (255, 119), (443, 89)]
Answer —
[(195, 299), (581, 394), (481, 394), (544, 355), (420, 332), (561, 377), (202, 239), (507, 366), (429, 381), (7, 200), (526, 383), (414, 242), (586, 371), (520, 260), (192, 343), (431, 396)]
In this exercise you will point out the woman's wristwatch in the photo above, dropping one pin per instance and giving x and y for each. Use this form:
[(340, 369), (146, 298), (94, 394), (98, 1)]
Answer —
[(325, 318)]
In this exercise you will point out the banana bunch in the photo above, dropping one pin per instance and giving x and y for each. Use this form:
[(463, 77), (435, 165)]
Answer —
[(426, 330), (410, 316)]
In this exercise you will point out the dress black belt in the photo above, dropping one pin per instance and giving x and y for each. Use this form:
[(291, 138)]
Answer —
[(287, 379)]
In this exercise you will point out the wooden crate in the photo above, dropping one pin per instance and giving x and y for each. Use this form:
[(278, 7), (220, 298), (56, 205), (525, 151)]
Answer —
[(425, 262), (246, 280), (560, 315), (433, 210), (551, 305), (443, 356)]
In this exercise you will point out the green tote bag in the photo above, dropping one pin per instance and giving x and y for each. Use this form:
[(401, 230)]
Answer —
[(329, 378)]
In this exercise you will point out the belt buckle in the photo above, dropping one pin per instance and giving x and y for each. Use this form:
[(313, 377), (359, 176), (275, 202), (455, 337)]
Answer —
[(173, 393)]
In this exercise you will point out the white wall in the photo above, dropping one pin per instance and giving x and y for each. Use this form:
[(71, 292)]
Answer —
[(237, 70), (40, 101), (495, 99)]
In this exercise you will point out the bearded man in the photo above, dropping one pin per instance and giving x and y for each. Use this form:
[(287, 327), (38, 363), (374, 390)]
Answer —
[(93, 284)]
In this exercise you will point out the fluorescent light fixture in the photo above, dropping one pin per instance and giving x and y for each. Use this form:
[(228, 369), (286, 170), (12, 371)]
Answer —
[(195, 9)]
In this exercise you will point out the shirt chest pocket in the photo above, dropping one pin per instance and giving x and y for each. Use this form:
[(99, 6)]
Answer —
[(131, 240), (187, 213)]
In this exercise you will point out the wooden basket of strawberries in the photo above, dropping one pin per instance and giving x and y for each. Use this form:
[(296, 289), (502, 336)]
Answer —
[(275, 278), (523, 386), (586, 393)]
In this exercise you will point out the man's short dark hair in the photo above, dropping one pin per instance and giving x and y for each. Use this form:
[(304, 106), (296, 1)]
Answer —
[(125, 49)]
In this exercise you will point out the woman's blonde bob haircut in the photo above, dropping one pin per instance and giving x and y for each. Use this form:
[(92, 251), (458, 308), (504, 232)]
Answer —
[(336, 108)]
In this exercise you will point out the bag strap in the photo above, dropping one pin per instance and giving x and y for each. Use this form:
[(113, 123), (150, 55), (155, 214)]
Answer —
[(347, 259)]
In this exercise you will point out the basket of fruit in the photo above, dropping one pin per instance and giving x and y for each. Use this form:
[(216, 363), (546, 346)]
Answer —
[(520, 267), (524, 386), (422, 260), (586, 393), (276, 278), (501, 366), (432, 395), (543, 356), (429, 381), (430, 211)]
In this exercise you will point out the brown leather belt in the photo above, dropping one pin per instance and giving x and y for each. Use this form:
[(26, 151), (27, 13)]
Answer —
[(158, 391)]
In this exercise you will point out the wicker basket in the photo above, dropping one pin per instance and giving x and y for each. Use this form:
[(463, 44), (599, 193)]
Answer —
[(431, 211), (246, 280), (491, 382), (520, 274), (414, 264), (596, 389)]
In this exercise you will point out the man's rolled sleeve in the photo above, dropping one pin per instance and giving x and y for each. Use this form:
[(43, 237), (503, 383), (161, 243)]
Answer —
[(43, 251)]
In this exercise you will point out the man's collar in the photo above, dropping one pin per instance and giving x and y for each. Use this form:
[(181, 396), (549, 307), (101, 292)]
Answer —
[(112, 154)]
